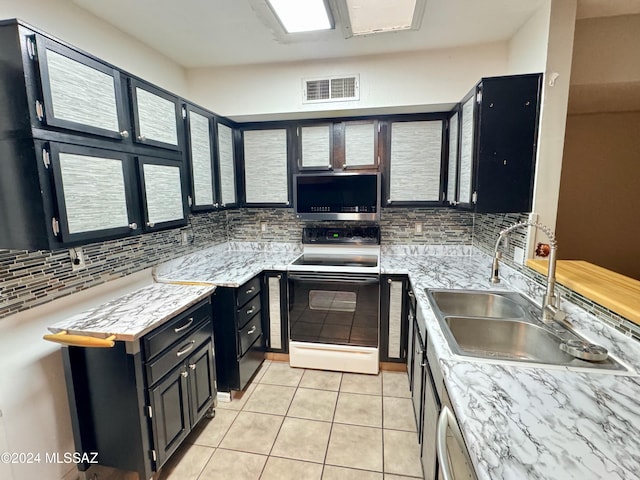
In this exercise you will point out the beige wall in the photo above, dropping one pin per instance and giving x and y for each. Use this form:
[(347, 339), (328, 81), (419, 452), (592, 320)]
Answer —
[(76, 26), (419, 81), (599, 203)]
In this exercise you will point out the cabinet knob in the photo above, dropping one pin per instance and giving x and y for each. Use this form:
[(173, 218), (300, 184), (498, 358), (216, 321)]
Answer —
[(278, 277), (216, 204), (410, 293), (184, 374), (142, 138), (124, 134), (192, 366), (133, 226), (389, 281)]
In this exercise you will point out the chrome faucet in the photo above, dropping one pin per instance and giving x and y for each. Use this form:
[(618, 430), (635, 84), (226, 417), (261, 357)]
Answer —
[(551, 300)]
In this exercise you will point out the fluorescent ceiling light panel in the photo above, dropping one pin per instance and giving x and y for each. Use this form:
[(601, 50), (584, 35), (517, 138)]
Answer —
[(372, 16), (301, 15)]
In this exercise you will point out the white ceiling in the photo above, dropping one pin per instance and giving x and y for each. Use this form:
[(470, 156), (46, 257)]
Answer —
[(205, 33)]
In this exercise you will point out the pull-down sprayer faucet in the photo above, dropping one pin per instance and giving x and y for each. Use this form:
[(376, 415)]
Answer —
[(551, 300)]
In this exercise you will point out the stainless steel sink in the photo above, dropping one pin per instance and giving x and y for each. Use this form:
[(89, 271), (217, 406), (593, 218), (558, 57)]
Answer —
[(476, 304), (505, 326)]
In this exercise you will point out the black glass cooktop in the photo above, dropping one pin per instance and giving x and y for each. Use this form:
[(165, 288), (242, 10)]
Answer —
[(336, 260)]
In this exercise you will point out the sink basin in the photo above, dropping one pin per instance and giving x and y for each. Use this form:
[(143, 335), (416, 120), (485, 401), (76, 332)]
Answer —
[(505, 326), (476, 304)]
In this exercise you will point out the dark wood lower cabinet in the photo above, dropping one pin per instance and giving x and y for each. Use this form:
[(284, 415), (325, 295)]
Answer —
[(135, 403), (239, 341)]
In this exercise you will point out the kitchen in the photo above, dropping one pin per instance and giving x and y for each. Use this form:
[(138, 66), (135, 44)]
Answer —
[(40, 385)]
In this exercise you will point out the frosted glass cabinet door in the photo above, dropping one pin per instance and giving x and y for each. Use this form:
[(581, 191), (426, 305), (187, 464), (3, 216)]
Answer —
[(93, 190), (226, 166), (163, 196), (314, 143), (360, 144), (78, 92), (265, 166), (200, 155), (415, 161), (452, 176), (465, 176), (157, 116)]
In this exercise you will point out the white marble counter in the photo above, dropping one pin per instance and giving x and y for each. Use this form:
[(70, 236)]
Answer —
[(524, 422), (519, 422), (131, 316)]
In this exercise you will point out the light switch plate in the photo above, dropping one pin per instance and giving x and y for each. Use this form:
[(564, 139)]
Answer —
[(518, 255), (418, 227)]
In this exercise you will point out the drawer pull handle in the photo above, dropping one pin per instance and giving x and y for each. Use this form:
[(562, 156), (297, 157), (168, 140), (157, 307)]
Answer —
[(253, 329), (185, 349), (251, 310), (251, 290), (185, 326)]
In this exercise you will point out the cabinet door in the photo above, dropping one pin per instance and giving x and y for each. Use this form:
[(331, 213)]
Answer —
[(452, 173), (393, 320), (157, 116), (163, 197), (265, 167), (431, 407), (200, 148), (414, 172), (94, 192), (417, 394), (79, 93), (467, 150), (226, 165), (315, 146), (275, 317), (170, 418), (202, 389), (507, 141), (360, 144)]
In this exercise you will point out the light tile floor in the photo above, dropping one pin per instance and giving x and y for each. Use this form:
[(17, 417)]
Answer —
[(293, 423)]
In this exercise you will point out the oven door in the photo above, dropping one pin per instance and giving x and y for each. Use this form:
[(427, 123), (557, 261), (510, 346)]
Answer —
[(334, 308)]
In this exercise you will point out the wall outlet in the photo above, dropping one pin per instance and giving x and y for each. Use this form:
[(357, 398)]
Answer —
[(518, 255), (77, 258), (263, 227), (418, 227), (185, 238)]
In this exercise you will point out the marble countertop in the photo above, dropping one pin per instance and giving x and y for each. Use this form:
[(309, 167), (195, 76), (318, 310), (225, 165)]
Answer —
[(529, 422), (131, 316), (519, 421)]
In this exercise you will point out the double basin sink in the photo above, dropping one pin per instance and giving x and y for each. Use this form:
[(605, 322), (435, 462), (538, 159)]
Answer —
[(506, 326)]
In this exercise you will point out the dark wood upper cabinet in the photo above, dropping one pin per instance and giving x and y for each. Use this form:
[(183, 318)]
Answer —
[(498, 141), (157, 116), (201, 155)]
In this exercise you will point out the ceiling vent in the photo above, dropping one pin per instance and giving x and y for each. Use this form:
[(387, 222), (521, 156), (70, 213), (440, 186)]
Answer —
[(330, 89)]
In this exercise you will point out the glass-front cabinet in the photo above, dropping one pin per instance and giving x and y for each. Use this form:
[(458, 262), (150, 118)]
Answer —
[(265, 166), (201, 158), (94, 192), (163, 194), (78, 92), (452, 172), (360, 140), (226, 165), (157, 116), (315, 146), (414, 164)]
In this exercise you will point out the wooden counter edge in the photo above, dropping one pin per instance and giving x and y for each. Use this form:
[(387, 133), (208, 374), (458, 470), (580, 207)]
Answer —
[(618, 293)]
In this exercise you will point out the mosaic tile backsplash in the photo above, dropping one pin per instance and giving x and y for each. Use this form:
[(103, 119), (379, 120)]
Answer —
[(28, 279)]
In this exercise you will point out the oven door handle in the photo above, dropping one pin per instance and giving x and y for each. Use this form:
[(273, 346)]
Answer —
[(320, 278)]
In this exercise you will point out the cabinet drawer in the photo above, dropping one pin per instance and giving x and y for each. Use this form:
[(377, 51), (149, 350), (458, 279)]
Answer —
[(248, 334), (249, 363), (248, 310), (248, 290), (164, 336), (179, 352)]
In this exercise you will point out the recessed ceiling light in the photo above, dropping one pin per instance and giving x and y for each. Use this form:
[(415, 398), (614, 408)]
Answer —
[(376, 16), (301, 15)]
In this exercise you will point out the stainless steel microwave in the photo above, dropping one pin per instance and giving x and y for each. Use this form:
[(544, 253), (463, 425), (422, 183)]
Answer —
[(337, 196)]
